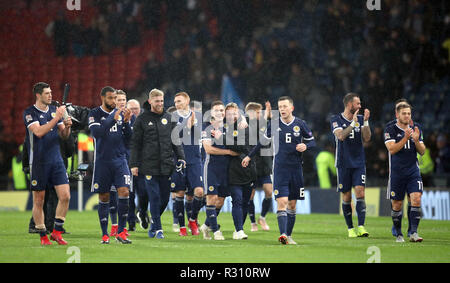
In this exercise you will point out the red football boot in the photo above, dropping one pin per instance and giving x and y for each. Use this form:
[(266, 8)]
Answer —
[(45, 241), (105, 239), (183, 232), (122, 238), (56, 236), (114, 230), (194, 228)]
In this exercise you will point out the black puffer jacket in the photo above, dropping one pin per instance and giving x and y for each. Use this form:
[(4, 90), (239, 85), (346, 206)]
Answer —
[(238, 140), (152, 149)]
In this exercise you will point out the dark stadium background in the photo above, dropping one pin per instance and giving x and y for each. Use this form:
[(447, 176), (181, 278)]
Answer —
[(314, 51)]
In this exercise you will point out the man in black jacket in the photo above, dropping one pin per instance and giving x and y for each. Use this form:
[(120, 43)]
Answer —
[(240, 179), (153, 147)]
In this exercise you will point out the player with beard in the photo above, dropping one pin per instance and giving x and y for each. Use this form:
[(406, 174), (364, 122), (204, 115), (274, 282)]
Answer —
[(111, 129), (350, 130)]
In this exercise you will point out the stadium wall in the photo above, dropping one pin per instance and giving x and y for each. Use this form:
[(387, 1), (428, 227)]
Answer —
[(435, 202)]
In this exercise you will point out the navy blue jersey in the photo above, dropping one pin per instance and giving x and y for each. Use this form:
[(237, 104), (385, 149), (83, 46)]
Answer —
[(404, 163), (110, 137), (190, 137), (44, 149), (286, 138), (221, 161), (350, 152), (128, 141)]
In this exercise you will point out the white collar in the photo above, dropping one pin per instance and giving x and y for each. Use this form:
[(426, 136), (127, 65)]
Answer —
[(40, 109), (288, 124)]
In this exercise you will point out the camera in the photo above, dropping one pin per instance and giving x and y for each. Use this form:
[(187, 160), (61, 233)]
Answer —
[(81, 172)]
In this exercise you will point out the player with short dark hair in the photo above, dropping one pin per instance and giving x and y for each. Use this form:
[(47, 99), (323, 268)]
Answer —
[(403, 142), (43, 123), (111, 130), (350, 130), (215, 169), (290, 138)]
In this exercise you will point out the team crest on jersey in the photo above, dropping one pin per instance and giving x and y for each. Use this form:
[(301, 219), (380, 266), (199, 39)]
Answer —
[(148, 177), (263, 129), (340, 186), (53, 115), (225, 126), (235, 133), (164, 121), (34, 183), (95, 186), (297, 129), (172, 185), (276, 192), (211, 188)]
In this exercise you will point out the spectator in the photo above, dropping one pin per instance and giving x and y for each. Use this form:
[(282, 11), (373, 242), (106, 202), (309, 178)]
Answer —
[(443, 158), (61, 35), (77, 39), (325, 164), (131, 34), (92, 38), (153, 72)]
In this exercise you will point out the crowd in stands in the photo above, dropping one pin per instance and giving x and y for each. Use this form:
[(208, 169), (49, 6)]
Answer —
[(314, 51)]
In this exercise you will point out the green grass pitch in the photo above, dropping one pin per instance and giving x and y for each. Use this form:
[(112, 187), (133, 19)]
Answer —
[(320, 238)]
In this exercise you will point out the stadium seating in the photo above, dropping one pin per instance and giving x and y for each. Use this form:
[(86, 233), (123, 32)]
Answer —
[(27, 56)]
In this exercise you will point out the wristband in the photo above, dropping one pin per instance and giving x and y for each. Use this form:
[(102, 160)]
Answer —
[(353, 124), (366, 123)]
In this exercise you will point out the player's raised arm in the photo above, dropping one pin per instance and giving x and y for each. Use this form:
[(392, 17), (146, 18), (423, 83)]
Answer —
[(366, 132), (417, 137), (99, 127), (65, 128), (42, 130), (394, 147), (343, 134)]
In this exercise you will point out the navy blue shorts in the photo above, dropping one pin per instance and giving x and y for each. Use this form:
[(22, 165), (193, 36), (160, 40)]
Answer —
[(107, 174), (261, 181), (46, 175), (288, 182), (191, 179), (177, 182), (399, 186), (347, 178), (216, 180)]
